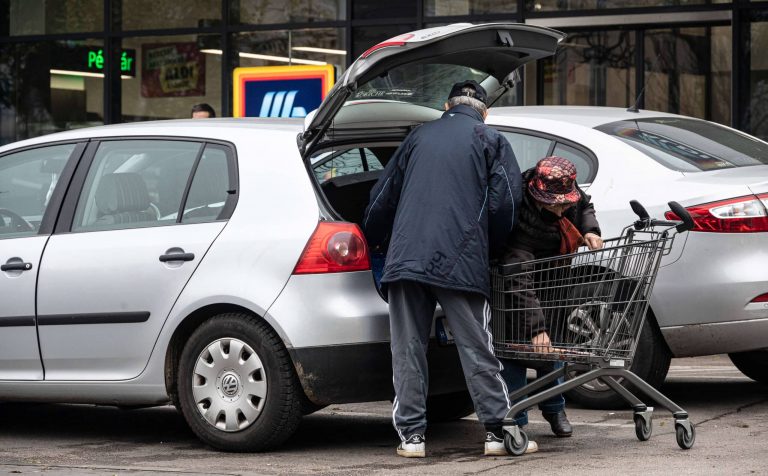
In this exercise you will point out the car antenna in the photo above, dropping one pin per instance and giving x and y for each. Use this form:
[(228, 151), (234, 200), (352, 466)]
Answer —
[(634, 108)]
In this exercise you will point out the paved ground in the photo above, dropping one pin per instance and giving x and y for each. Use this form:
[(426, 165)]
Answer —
[(730, 411)]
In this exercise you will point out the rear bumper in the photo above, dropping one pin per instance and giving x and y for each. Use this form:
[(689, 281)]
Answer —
[(702, 301), (716, 338), (363, 372)]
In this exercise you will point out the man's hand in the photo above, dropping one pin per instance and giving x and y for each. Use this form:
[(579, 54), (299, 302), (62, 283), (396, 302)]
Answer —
[(593, 241), (541, 343)]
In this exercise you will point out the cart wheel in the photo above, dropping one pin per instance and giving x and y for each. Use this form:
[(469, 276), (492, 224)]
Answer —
[(642, 430), (685, 438), (516, 447)]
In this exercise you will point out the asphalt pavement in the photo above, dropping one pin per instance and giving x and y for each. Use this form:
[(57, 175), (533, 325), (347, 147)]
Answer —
[(730, 412)]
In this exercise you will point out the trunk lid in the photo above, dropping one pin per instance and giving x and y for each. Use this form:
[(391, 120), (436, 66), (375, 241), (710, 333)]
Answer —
[(420, 67)]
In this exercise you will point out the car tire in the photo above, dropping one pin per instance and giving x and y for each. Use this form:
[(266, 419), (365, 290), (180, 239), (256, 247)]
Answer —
[(753, 364), (449, 407), (236, 385), (651, 363)]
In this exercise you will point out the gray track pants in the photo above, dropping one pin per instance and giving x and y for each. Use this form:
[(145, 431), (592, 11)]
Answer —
[(411, 308)]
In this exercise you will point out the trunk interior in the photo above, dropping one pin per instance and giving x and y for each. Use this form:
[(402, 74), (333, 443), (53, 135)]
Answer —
[(347, 173)]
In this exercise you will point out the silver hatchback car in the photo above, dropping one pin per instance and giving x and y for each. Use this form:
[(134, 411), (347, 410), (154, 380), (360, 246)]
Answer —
[(199, 262)]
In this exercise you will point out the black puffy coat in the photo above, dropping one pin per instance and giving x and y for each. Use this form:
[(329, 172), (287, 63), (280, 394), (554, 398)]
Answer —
[(446, 202)]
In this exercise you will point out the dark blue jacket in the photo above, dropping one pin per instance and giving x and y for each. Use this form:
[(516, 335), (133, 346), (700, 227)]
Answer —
[(446, 202)]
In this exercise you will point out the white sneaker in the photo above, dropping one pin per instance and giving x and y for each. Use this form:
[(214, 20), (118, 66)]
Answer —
[(532, 447), (413, 447), (494, 446)]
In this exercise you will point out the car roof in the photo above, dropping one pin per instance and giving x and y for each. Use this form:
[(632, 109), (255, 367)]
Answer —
[(587, 116), (219, 128)]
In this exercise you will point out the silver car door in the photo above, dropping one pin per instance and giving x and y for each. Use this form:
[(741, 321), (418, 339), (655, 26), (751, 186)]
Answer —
[(139, 229), (28, 205)]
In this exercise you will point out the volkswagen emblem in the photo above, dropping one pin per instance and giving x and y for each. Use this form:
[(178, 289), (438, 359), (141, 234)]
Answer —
[(230, 385)]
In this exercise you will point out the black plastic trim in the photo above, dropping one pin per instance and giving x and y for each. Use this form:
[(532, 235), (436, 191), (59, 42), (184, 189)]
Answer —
[(97, 318), (363, 372), (17, 321)]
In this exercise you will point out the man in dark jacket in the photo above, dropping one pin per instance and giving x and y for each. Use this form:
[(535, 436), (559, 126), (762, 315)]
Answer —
[(556, 217), (446, 201)]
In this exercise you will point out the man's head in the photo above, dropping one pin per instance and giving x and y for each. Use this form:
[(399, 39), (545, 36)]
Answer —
[(470, 94), (202, 111), (553, 184)]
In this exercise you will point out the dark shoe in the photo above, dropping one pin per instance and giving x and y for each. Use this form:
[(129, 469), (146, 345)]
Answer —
[(561, 427)]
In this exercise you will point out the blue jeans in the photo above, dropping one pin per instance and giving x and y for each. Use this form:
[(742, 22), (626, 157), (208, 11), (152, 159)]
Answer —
[(514, 375)]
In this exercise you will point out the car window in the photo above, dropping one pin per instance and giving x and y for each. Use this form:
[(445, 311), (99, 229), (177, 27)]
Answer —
[(135, 183), (579, 158), (528, 149), (27, 181), (328, 165), (689, 145), (208, 192)]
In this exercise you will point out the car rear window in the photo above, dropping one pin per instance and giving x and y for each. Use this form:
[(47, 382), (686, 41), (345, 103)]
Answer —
[(689, 145)]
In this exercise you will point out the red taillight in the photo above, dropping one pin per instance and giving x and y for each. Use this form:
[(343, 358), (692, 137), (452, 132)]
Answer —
[(738, 215), (333, 248), (761, 298)]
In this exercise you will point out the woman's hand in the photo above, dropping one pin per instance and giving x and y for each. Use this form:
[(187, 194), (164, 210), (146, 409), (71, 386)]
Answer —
[(541, 343), (594, 242)]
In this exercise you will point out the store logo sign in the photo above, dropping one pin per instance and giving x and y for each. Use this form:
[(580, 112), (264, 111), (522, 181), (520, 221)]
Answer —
[(280, 91), (280, 104)]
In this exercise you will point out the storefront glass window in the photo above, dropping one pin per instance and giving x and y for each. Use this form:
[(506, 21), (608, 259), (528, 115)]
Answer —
[(370, 9), (260, 12), (154, 14), (173, 73), (49, 87), (285, 47), (688, 70), (533, 6), (593, 68), (439, 8), (757, 106), (39, 17)]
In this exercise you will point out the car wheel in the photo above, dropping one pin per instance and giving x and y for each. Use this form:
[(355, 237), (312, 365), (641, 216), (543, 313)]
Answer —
[(651, 363), (753, 364), (236, 385), (449, 407)]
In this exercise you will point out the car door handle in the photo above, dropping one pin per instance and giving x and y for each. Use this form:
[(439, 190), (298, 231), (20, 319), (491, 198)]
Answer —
[(16, 266), (177, 257)]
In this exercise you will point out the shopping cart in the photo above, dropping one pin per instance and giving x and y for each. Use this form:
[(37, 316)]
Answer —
[(593, 304)]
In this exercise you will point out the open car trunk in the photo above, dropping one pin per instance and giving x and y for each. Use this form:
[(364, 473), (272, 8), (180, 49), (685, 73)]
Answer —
[(399, 84)]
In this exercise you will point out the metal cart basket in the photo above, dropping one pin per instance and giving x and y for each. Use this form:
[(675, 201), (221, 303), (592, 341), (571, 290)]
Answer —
[(592, 304)]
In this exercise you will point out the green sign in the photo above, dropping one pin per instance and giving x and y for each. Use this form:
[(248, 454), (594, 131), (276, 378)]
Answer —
[(95, 61)]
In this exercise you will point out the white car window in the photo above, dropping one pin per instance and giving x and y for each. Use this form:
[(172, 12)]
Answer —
[(27, 180), (528, 149), (348, 162), (208, 192), (580, 159), (135, 183)]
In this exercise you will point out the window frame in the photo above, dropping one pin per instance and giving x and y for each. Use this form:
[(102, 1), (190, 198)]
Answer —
[(591, 156), (52, 211), (73, 194)]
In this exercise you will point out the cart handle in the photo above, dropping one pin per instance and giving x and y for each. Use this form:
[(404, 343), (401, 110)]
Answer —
[(645, 221)]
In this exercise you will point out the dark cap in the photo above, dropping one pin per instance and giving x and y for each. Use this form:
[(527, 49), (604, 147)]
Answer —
[(554, 182), (479, 93)]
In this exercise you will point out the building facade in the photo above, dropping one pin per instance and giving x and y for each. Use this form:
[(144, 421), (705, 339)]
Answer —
[(76, 63)]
